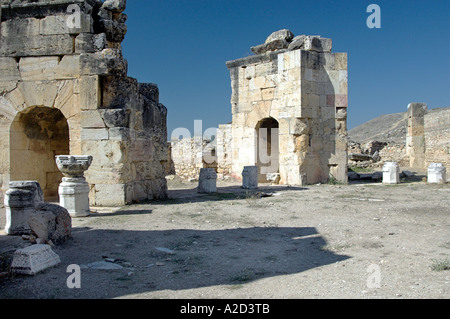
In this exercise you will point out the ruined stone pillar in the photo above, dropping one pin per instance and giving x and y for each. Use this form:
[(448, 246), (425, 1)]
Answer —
[(74, 190), (437, 173), (391, 173), (207, 181), (20, 202), (415, 139), (250, 177)]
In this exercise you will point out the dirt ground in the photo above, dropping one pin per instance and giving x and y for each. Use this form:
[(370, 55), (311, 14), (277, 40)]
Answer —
[(363, 240)]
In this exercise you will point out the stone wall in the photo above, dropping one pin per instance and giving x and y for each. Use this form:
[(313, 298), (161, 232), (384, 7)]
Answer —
[(437, 137), (64, 89), (427, 141), (189, 155)]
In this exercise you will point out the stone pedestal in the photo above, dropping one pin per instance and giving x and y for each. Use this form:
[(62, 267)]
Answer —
[(391, 173), (437, 173), (20, 202), (207, 181), (250, 177), (74, 190), (34, 259)]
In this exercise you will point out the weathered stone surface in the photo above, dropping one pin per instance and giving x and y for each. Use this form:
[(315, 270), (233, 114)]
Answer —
[(318, 44), (284, 34), (20, 201), (391, 173), (437, 173), (302, 91), (49, 63), (359, 157), (51, 222), (250, 177), (298, 43), (74, 190), (34, 259), (207, 181), (116, 6)]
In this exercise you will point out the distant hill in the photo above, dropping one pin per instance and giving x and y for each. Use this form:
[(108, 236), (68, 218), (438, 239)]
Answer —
[(389, 128)]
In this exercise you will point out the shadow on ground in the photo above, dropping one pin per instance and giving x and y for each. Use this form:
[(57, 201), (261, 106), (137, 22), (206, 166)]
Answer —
[(188, 259)]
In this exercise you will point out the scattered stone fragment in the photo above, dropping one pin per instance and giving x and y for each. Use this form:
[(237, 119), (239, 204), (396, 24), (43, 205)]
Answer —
[(165, 250)]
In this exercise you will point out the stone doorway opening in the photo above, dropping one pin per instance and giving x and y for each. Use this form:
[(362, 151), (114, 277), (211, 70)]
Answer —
[(267, 145), (37, 135)]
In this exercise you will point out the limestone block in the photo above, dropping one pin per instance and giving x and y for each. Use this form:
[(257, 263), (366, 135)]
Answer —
[(19, 205), (74, 196), (40, 45), (38, 68), (298, 43), (51, 222), (207, 181), (90, 94), (110, 195), (437, 173), (94, 134), (68, 68), (34, 259), (38, 93), (92, 119), (32, 186), (391, 173), (250, 177), (57, 24), (25, 27), (9, 69), (340, 61)]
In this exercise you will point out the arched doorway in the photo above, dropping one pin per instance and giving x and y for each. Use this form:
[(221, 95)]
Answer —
[(37, 135), (267, 144)]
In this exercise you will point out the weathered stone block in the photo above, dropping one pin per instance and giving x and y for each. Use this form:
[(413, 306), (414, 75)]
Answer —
[(250, 177), (51, 222), (437, 173), (391, 173), (207, 181), (34, 259)]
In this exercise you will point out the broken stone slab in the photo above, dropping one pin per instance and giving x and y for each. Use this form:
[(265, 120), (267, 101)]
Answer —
[(318, 44), (298, 42), (34, 259), (391, 173), (278, 40), (207, 181), (165, 250), (359, 157), (250, 177), (51, 222), (437, 173)]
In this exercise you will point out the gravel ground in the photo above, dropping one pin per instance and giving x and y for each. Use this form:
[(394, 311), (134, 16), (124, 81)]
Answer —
[(320, 241)]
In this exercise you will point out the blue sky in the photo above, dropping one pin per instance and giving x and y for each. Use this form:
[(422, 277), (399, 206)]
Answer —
[(182, 45)]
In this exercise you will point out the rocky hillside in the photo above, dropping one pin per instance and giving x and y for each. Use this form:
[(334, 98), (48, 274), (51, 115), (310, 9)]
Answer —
[(389, 128)]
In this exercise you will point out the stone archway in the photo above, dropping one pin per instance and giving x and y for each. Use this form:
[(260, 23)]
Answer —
[(37, 135), (267, 146)]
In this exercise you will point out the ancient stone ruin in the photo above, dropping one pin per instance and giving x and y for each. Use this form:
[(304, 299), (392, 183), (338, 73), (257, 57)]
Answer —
[(289, 105), (64, 90), (289, 114)]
